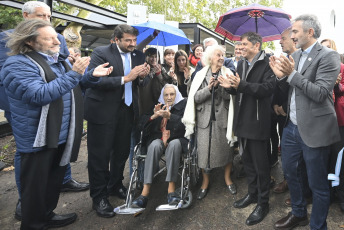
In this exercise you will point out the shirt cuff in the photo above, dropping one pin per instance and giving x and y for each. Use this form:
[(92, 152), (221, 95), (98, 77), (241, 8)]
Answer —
[(291, 76), (122, 81)]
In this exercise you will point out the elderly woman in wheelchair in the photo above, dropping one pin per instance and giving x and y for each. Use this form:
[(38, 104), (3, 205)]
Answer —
[(163, 132)]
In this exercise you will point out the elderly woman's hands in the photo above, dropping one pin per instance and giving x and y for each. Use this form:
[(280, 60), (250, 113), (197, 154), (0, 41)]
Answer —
[(212, 82), (159, 111)]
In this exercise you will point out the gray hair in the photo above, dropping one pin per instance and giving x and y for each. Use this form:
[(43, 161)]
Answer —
[(25, 32), (30, 7), (237, 43), (205, 41), (310, 21), (208, 53)]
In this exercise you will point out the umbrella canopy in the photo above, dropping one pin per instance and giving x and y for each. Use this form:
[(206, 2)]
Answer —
[(168, 35), (268, 22)]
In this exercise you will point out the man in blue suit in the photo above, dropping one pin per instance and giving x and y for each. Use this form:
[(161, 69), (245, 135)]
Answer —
[(34, 10)]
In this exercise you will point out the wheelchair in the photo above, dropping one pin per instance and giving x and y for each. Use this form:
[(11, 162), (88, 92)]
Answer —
[(188, 172)]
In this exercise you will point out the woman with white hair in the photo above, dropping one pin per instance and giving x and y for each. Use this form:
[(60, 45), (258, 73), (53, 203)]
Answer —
[(164, 132), (198, 112)]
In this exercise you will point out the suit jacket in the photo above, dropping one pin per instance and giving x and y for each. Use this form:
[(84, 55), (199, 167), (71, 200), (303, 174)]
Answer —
[(102, 102), (315, 113)]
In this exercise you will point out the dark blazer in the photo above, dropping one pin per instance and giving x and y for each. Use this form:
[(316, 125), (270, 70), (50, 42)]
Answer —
[(152, 131), (315, 113), (103, 100), (252, 116)]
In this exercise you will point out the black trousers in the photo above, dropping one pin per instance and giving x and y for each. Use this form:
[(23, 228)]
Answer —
[(257, 167), (41, 179), (108, 145)]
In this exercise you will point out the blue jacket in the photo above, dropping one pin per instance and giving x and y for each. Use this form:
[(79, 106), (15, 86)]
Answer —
[(4, 105), (28, 92)]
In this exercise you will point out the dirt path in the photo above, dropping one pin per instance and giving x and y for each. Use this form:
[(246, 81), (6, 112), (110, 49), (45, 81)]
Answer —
[(214, 212)]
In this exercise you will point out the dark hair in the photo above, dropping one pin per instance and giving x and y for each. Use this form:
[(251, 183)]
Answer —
[(195, 47), (124, 28), (253, 38), (151, 51), (176, 68), (342, 58), (169, 51)]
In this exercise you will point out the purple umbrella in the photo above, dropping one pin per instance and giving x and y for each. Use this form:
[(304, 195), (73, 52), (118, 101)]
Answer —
[(269, 22)]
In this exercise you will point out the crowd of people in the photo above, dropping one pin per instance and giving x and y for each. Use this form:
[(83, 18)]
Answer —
[(47, 90)]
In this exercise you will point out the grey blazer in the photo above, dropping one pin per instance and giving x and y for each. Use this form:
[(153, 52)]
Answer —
[(315, 114)]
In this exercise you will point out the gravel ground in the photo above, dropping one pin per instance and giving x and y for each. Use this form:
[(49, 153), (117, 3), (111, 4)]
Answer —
[(214, 212)]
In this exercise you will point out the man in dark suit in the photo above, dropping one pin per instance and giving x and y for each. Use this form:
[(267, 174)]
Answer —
[(111, 108), (312, 124)]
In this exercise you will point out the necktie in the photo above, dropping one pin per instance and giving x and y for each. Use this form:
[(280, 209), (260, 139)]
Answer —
[(127, 86)]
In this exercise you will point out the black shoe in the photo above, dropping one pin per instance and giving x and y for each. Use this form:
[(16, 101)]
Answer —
[(245, 201), (74, 186), (58, 221), (140, 202), (173, 198), (120, 192), (103, 208), (202, 193), (258, 214), (232, 189), (17, 213)]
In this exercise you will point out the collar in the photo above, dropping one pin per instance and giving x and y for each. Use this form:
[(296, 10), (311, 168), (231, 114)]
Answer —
[(308, 50), (50, 58)]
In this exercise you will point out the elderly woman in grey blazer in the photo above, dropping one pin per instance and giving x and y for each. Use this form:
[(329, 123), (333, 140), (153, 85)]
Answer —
[(199, 108)]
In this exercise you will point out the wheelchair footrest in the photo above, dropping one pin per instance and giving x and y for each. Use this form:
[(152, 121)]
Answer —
[(127, 210), (167, 207)]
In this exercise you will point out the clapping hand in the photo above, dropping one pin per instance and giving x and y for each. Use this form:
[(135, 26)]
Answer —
[(81, 64), (213, 82), (101, 71), (225, 81)]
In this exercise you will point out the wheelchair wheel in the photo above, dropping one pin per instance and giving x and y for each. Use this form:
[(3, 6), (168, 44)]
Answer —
[(187, 198), (194, 169)]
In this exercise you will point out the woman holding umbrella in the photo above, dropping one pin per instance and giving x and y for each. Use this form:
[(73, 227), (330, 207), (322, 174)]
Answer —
[(212, 107)]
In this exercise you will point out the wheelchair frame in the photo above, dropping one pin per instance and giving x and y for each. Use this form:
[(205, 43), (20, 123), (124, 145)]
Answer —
[(189, 177)]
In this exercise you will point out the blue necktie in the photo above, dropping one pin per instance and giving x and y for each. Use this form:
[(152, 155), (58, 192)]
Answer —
[(127, 86)]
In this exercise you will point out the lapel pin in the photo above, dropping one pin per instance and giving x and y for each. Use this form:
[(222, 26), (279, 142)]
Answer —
[(309, 59), (134, 54)]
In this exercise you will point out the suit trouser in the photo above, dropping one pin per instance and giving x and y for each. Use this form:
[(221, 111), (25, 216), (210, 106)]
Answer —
[(108, 144), (295, 151), (257, 167), (41, 178), (154, 152)]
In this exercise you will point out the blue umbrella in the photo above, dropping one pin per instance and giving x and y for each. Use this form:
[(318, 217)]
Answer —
[(168, 35)]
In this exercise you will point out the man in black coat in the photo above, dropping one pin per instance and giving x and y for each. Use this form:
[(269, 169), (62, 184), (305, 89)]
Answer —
[(253, 85), (111, 109)]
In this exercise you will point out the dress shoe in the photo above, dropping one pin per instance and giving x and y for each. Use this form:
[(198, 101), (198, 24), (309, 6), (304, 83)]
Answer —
[(258, 214), (245, 201), (120, 192), (140, 202), (232, 189), (202, 193), (290, 222), (103, 208), (173, 198), (17, 213), (58, 221), (281, 187), (287, 201), (74, 186), (341, 205)]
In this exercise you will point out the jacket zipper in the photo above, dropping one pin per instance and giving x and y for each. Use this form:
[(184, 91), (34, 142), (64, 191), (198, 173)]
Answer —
[(257, 111)]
